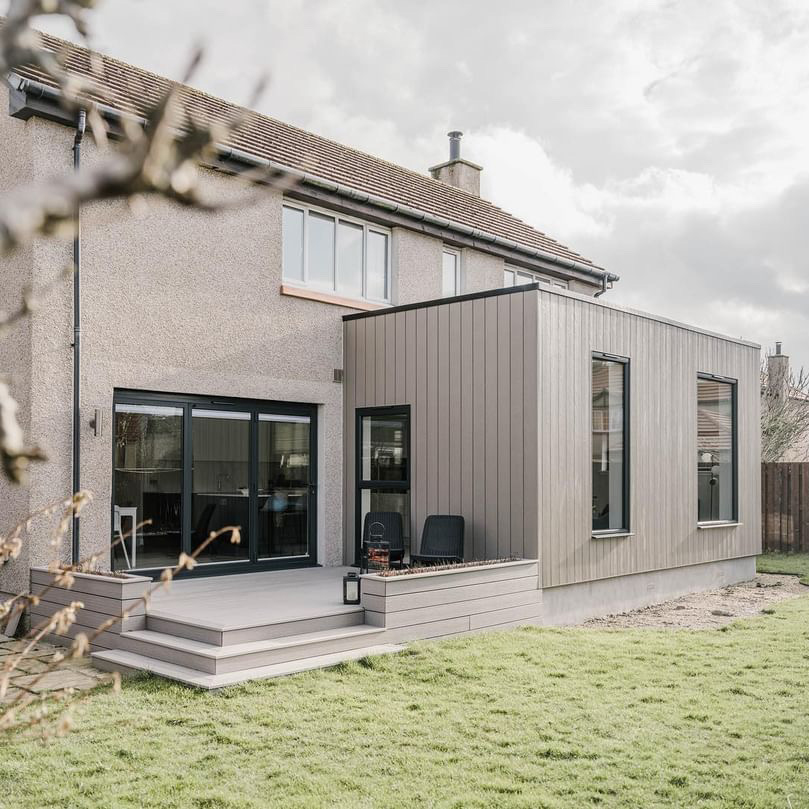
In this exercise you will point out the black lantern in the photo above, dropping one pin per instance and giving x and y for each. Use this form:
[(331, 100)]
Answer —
[(351, 588)]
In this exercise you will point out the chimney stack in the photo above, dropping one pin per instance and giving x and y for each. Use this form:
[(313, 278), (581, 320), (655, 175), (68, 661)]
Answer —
[(456, 171), (777, 372)]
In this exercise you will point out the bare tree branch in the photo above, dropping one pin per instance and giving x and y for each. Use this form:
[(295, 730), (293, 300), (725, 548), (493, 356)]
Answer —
[(22, 45), (158, 158), (15, 455), (784, 415)]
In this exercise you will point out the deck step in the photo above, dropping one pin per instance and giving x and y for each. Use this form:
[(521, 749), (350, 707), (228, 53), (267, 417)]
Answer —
[(220, 634), (213, 659), (130, 662)]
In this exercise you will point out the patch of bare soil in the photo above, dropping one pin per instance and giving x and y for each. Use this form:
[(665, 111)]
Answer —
[(711, 609)]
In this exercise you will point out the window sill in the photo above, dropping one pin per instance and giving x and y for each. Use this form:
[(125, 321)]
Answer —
[(612, 534), (702, 526), (327, 297)]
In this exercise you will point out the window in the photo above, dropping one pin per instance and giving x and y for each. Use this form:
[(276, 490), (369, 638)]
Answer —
[(610, 455), (513, 277), (716, 445), (450, 274), (383, 465), (335, 254)]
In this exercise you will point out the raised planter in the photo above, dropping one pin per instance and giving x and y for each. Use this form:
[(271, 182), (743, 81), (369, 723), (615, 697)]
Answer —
[(103, 597), (453, 601)]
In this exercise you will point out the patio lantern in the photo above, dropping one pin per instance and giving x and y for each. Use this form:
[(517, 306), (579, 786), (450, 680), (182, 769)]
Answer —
[(351, 588)]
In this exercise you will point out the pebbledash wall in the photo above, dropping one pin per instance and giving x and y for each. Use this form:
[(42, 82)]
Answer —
[(499, 391), (175, 301)]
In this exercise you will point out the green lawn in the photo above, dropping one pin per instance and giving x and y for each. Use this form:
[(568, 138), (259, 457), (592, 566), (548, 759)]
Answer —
[(528, 718), (796, 563)]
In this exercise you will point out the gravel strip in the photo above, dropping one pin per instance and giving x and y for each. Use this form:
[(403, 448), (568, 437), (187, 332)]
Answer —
[(711, 609)]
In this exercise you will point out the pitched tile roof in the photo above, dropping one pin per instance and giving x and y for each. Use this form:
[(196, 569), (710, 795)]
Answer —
[(134, 90)]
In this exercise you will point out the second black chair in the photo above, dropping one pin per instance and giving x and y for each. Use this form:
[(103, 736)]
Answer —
[(441, 540)]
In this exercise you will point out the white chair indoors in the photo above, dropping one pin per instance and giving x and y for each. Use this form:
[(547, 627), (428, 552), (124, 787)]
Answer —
[(131, 512)]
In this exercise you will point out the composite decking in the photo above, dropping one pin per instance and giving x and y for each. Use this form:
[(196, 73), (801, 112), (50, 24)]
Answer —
[(249, 600), (218, 631)]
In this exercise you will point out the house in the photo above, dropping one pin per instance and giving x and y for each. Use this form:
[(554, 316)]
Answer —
[(370, 339), (785, 410)]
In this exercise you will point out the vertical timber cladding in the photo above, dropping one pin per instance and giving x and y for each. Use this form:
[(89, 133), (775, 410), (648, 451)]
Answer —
[(664, 362), (468, 370)]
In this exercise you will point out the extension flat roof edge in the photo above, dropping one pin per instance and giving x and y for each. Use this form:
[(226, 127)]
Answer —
[(545, 290), (133, 90)]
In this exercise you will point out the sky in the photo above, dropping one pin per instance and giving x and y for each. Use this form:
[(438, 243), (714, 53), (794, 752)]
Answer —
[(667, 141)]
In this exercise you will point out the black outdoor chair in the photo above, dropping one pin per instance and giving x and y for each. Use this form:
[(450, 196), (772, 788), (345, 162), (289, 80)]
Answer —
[(385, 526), (441, 540)]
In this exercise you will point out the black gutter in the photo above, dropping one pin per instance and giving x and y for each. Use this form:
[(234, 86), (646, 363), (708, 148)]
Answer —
[(30, 98), (76, 485), (470, 296)]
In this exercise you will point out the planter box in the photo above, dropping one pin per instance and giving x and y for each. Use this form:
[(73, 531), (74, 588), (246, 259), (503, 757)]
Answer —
[(103, 597), (443, 602)]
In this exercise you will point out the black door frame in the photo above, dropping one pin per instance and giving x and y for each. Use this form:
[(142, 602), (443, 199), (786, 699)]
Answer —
[(187, 402), (360, 485)]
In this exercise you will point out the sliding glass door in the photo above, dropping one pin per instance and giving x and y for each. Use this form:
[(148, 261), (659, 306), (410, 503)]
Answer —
[(147, 484), (220, 482), (189, 466), (284, 483)]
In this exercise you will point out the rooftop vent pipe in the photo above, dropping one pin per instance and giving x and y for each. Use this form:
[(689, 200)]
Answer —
[(455, 144)]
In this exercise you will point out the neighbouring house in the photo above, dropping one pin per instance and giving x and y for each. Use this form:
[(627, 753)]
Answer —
[(785, 406), (785, 454), (371, 339)]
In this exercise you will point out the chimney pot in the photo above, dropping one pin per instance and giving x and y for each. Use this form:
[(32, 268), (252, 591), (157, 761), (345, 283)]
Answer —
[(778, 347), (455, 144)]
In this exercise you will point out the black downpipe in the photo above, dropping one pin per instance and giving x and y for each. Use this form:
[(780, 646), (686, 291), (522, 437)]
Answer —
[(80, 125), (604, 287)]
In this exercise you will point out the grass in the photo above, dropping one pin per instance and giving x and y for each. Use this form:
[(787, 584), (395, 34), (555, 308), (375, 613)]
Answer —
[(794, 563), (527, 718)]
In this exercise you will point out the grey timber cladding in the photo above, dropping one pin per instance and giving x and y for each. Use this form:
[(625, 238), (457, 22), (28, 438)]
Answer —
[(665, 359), (499, 389), (468, 371)]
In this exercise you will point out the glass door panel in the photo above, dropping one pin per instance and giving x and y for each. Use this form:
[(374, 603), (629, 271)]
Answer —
[(384, 468), (283, 485), (384, 448), (220, 490), (148, 479)]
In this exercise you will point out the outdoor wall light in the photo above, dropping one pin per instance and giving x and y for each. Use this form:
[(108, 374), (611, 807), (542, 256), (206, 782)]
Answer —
[(351, 588)]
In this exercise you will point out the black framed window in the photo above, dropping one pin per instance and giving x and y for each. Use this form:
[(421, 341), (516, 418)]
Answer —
[(190, 465), (716, 449), (383, 465), (610, 443)]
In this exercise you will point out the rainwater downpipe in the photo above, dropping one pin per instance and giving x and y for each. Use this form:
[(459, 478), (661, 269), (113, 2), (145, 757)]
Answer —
[(604, 287), (76, 482)]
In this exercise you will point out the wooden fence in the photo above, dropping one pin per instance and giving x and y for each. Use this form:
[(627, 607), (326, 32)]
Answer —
[(785, 506)]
